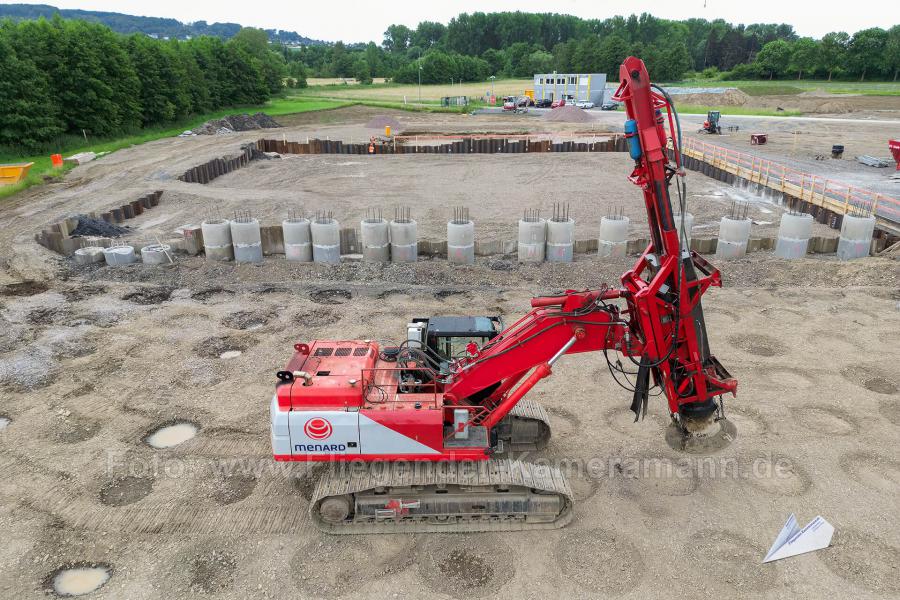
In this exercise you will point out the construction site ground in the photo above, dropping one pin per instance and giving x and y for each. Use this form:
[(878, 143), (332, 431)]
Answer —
[(93, 359)]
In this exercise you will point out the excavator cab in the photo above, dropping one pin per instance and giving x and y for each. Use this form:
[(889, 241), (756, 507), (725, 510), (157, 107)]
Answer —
[(449, 337), (711, 125)]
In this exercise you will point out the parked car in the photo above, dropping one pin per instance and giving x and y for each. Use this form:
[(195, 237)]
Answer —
[(543, 103), (509, 103), (585, 104), (558, 103), (610, 105)]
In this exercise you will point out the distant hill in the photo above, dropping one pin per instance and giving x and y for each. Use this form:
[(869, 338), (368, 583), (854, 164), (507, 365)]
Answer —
[(154, 26)]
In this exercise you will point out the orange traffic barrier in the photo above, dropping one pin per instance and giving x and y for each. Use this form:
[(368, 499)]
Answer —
[(56, 160)]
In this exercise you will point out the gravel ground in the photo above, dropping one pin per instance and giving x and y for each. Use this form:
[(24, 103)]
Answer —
[(93, 360)]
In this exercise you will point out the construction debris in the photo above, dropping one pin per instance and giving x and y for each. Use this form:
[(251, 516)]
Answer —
[(80, 158), (873, 161), (232, 123), (89, 226)]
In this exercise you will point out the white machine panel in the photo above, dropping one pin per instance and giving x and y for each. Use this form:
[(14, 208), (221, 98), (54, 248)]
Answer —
[(378, 439), (324, 432)]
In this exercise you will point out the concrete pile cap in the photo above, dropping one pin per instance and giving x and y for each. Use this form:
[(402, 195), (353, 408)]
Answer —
[(156, 254)]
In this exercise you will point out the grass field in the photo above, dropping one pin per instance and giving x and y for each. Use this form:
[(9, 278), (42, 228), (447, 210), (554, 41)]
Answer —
[(696, 109), (431, 94), (43, 171), (794, 86)]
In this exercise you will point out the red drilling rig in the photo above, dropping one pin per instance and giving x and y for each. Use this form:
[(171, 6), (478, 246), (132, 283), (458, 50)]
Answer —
[(417, 432)]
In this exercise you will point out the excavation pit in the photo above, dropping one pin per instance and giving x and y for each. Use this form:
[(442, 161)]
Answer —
[(79, 579), (330, 297), (171, 434)]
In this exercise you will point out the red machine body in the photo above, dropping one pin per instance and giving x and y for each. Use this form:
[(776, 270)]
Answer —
[(894, 146), (349, 400)]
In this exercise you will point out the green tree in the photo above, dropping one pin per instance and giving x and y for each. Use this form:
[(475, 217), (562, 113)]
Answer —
[(496, 61), (362, 72), (833, 51), (866, 53), (397, 38), (540, 61), (613, 50), (29, 118), (588, 56), (774, 57), (341, 63), (805, 56), (892, 52), (255, 44)]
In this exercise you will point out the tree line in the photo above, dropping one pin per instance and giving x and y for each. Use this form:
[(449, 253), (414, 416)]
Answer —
[(474, 46), (63, 78)]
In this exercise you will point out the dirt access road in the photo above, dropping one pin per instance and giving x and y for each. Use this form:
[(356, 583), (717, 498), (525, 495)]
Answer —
[(92, 360)]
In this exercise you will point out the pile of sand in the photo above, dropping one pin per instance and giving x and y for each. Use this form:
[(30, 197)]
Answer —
[(834, 107), (382, 121), (568, 114)]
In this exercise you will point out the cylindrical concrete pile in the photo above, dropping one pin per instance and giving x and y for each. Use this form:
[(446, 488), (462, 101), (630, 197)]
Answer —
[(856, 237), (560, 240), (793, 235), (613, 236), (688, 225), (376, 242), (217, 239), (119, 255), (326, 241), (734, 234), (404, 241), (461, 242), (89, 255), (156, 254), (532, 240), (297, 236), (246, 240)]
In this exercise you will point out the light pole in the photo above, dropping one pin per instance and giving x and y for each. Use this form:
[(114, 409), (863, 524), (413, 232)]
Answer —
[(420, 82), (492, 78)]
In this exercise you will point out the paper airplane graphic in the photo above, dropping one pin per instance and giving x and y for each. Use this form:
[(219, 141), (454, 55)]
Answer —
[(792, 540)]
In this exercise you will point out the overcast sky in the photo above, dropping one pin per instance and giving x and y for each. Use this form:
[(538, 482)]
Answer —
[(356, 21)]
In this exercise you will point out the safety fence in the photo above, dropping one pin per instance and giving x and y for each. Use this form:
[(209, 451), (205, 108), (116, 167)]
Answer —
[(838, 197)]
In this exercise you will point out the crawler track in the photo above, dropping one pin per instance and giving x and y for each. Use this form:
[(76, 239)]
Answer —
[(491, 495)]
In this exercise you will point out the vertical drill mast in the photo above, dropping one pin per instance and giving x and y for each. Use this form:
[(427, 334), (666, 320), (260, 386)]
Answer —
[(663, 288)]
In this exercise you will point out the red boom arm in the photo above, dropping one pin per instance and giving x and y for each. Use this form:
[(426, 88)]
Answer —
[(662, 329)]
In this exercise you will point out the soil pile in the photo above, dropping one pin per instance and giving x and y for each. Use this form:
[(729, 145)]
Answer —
[(232, 123), (97, 227), (729, 97), (382, 121), (567, 114)]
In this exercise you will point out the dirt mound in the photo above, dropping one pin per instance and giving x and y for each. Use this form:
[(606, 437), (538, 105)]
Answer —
[(382, 121), (232, 123), (567, 114), (834, 107), (90, 226), (730, 97)]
